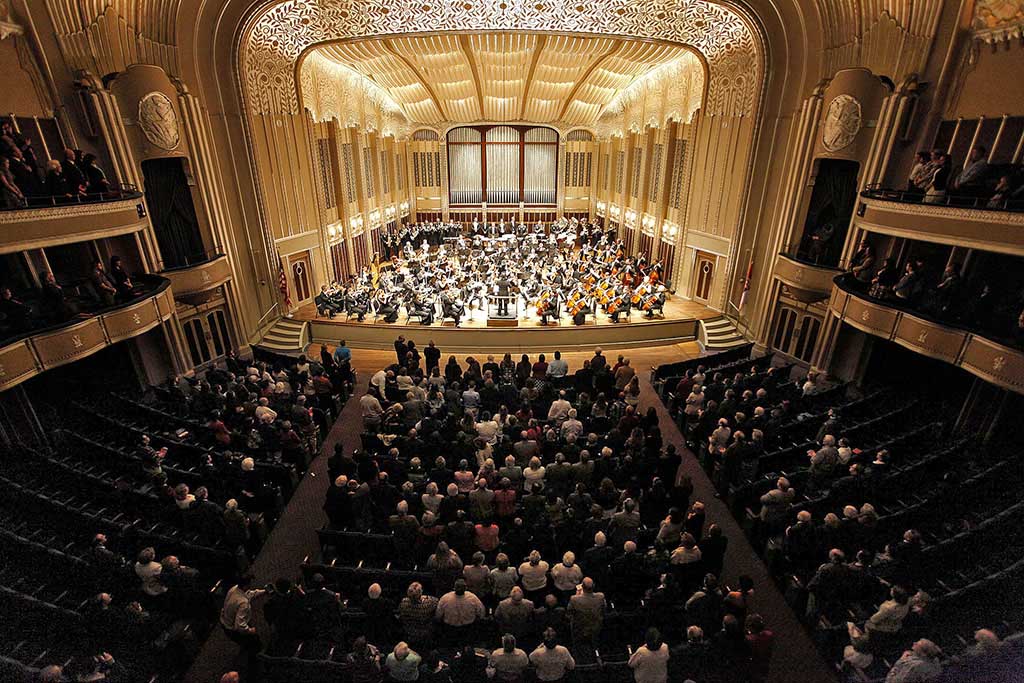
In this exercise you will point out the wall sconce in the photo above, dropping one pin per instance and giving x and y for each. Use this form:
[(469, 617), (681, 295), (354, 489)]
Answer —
[(332, 231)]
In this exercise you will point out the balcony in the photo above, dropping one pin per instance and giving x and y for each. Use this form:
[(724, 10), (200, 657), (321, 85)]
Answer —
[(806, 277), (202, 274), (42, 349), (47, 221), (971, 222), (981, 352)]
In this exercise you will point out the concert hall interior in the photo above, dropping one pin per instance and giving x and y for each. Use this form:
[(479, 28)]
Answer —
[(511, 341)]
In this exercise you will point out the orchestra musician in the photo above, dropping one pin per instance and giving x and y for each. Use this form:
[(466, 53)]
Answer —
[(551, 275)]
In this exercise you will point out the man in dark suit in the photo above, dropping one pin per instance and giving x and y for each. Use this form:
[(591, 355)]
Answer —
[(322, 609), (431, 356)]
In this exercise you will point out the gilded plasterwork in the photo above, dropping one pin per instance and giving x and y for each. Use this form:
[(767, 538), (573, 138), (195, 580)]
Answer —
[(158, 121), (842, 123), (671, 92), (278, 37)]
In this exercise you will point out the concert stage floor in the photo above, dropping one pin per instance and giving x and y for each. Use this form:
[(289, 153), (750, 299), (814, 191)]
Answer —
[(679, 324)]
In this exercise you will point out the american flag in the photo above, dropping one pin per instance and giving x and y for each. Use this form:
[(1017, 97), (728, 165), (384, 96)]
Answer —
[(282, 279), (746, 284)]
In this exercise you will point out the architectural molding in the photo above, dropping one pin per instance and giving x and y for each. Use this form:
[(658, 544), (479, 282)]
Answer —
[(278, 36)]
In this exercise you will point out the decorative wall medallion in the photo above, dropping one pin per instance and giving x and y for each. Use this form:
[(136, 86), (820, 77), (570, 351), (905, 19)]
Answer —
[(204, 276), (923, 337), (998, 363), (76, 341), (865, 315), (136, 319), (842, 123), (3, 371), (158, 120)]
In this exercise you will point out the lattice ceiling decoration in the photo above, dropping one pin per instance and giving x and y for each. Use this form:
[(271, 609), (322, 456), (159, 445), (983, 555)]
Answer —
[(503, 76), (278, 37), (672, 92)]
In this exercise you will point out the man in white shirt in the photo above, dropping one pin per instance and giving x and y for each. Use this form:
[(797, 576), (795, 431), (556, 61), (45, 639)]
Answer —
[(551, 661), (235, 614), (557, 368), (572, 426), (264, 413), (458, 610), (650, 661), (559, 408)]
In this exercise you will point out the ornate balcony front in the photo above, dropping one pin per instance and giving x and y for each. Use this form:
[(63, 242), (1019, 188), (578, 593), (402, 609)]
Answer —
[(960, 221), (41, 225), (51, 347), (806, 279), (207, 274), (991, 360)]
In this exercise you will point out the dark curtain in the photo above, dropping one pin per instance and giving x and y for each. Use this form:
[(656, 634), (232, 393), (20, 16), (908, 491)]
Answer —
[(172, 212), (830, 209)]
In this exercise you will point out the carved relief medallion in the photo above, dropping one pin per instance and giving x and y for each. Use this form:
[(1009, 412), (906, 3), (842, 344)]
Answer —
[(158, 120), (842, 123)]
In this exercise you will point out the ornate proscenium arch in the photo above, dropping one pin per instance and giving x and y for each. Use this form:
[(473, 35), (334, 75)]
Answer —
[(278, 36)]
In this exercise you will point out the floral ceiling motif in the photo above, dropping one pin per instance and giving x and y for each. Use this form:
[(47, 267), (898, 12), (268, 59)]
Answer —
[(279, 36)]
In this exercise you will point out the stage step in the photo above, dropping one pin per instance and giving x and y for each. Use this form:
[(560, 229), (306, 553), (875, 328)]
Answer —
[(288, 337), (719, 334)]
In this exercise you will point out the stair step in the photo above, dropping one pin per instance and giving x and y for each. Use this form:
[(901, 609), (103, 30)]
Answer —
[(293, 324), (279, 336)]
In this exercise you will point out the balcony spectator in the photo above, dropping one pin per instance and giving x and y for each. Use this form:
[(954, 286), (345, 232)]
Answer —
[(17, 314), (920, 174), (73, 175), (103, 289), (122, 281), (862, 265), (909, 285), (945, 299), (56, 184), (1001, 193), (885, 279), (55, 305), (937, 184), (14, 144), (94, 175), (922, 662), (13, 197), (970, 180)]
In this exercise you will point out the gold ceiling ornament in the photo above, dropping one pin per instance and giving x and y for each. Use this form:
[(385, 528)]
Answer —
[(333, 91), (502, 76), (278, 36), (672, 91)]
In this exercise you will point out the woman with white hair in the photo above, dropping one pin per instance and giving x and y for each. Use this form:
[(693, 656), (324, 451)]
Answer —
[(533, 476), (566, 575), (432, 499), (533, 575)]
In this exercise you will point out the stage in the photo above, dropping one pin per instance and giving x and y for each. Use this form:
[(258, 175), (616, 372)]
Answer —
[(679, 324)]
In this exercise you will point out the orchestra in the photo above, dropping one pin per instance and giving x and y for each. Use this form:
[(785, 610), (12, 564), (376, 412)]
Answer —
[(500, 270)]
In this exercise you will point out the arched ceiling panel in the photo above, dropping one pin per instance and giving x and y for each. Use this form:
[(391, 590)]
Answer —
[(503, 76)]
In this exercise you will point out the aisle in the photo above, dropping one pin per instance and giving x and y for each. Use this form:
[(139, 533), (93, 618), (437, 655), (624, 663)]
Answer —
[(294, 535)]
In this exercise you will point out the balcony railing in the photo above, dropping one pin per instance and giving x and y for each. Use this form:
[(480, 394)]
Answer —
[(34, 351), (801, 253), (959, 201), (146, 286), (116, 193), (1000, 334)]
